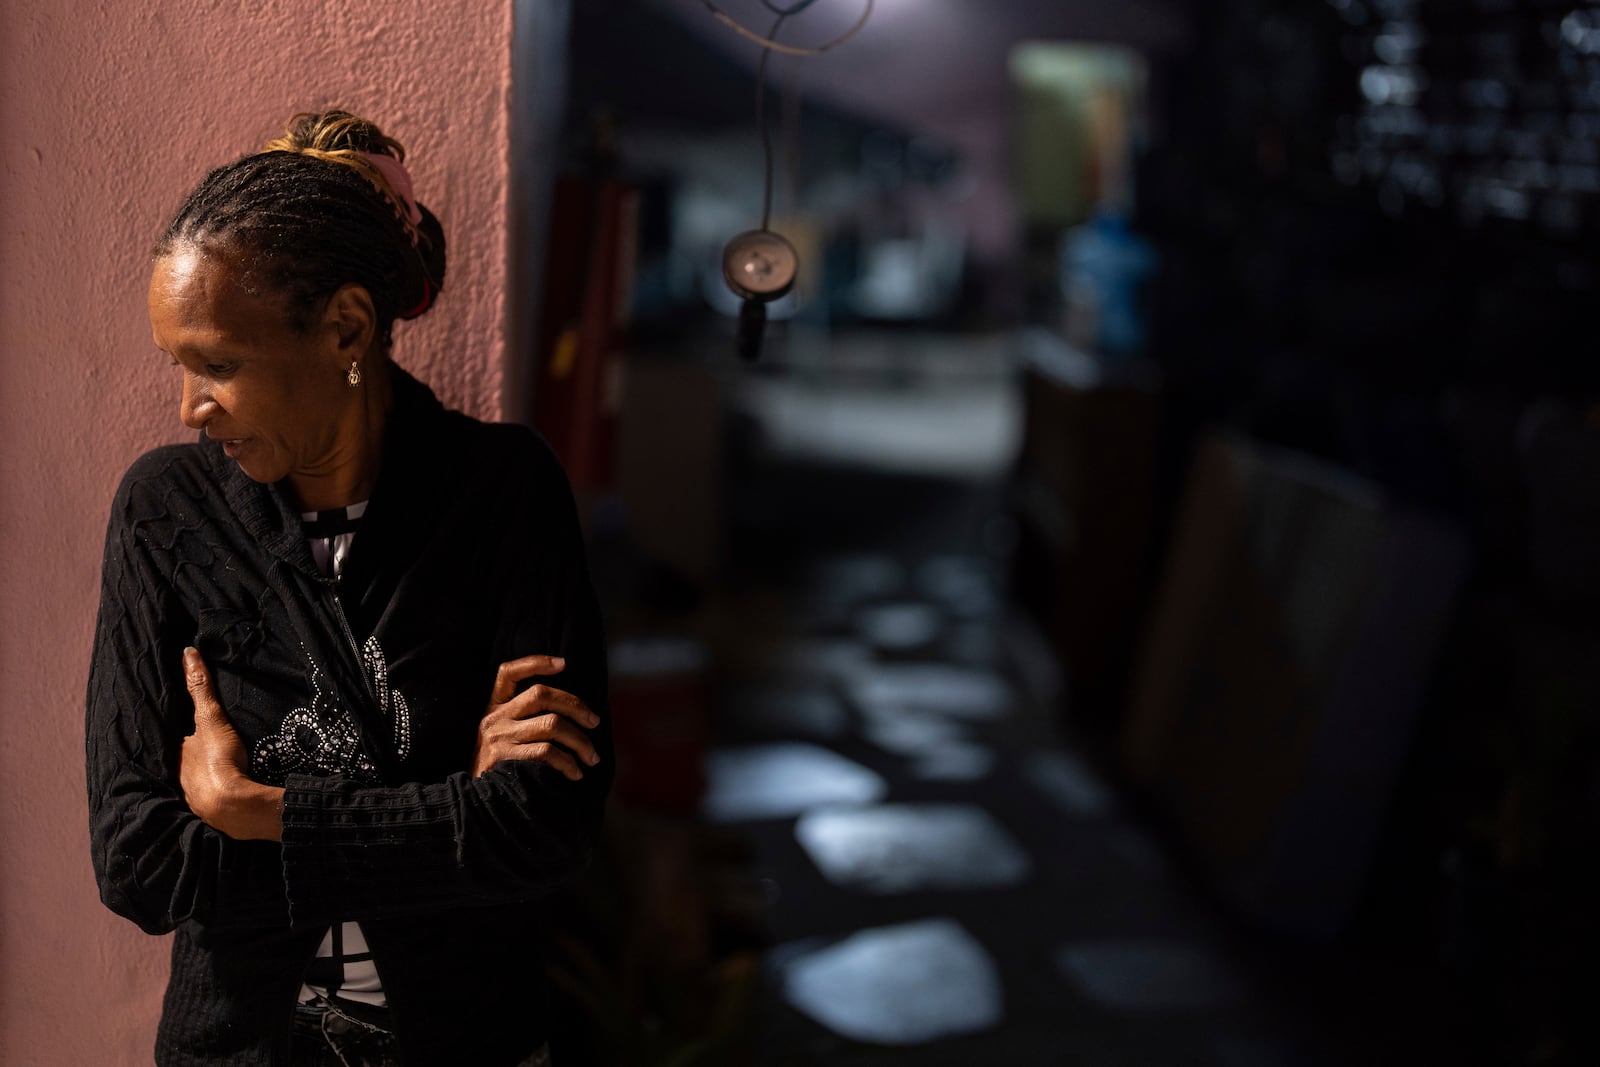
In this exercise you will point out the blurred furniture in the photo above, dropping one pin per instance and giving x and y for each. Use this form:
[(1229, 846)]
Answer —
[(1281, 673), (1084, 489), (669, 463)]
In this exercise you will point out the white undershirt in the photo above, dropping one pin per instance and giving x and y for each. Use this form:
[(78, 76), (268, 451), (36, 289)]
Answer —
[(360, 980)]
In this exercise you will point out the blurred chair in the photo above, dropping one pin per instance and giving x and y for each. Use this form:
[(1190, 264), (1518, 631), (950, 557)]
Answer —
[(1281, 674)]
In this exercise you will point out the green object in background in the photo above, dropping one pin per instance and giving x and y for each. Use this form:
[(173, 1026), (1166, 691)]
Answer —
[(1078, 109)]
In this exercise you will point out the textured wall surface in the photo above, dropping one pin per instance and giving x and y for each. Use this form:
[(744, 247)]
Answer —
[(111, 110)]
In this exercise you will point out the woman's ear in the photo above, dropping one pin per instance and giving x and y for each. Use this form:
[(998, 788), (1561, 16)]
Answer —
[(349, 322)]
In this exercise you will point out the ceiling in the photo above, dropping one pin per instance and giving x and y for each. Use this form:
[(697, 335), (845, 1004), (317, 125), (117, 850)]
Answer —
[(935, 70), (936, 66)]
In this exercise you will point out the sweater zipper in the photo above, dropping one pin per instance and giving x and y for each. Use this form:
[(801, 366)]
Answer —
[(349, 636), (372, 747)]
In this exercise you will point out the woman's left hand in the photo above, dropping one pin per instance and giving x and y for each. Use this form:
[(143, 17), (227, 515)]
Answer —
[(213, 768), (540, 725)]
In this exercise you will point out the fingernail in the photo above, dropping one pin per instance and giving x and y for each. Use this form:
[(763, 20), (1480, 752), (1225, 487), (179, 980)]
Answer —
[(562, 660), (593, 720), (191, 658), (594, 757)]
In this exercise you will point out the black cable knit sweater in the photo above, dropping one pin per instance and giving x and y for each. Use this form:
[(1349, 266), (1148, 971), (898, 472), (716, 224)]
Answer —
[(362, 698)]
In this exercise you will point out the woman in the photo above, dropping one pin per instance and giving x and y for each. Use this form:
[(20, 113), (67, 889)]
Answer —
[(346, 711)]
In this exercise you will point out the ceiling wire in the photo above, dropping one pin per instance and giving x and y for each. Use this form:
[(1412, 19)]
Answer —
[(793, 9), (769, 44), (761, 117)]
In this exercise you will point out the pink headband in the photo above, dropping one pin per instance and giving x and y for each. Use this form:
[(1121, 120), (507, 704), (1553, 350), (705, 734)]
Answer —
[(394, 172)]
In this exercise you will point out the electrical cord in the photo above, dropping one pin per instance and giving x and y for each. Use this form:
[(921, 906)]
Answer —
[(761, 118), (769, 44), (745, 264), (794, 9)]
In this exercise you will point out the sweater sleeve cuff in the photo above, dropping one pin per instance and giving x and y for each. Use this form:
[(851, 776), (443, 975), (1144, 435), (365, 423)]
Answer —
[(355, 852), (306, 879)]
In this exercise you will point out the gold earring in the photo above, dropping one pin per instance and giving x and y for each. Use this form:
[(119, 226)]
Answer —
[(354, 377)]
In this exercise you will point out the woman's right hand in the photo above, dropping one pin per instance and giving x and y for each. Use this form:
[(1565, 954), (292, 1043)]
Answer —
[(541, 724)]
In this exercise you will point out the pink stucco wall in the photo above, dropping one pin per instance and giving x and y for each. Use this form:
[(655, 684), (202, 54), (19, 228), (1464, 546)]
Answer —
[(109, 111)]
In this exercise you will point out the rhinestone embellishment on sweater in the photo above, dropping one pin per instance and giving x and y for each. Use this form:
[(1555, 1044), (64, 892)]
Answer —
[(324, 738)]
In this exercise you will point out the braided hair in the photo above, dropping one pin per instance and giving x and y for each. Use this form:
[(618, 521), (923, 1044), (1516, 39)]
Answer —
[(311, 213)]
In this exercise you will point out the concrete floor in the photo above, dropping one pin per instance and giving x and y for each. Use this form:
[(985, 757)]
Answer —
[(947, 877)]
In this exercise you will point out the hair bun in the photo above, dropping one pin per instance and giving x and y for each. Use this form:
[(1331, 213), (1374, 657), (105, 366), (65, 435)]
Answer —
[(328, 204), (334, 131), (340, 137), (426, 282)]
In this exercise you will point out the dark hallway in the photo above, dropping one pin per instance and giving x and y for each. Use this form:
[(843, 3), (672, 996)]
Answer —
[(1139, 608), (910, 839)]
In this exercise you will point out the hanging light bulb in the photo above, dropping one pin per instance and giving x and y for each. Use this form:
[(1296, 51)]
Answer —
[(759, 266)]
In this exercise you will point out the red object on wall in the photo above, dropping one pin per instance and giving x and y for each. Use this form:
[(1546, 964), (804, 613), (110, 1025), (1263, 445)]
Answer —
[(660, 697), (588, 291)]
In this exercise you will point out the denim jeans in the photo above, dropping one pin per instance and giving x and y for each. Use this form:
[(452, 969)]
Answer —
[(328, 1034)]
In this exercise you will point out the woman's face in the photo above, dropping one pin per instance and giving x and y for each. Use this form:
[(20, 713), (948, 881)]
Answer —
[(276, 398)]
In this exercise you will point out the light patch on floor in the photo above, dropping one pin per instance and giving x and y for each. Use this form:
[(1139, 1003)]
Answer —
[(903, 848), (899, 985), (954, 763), (857, 577), (937, 746), (963, 692), (831, 590), (1035, 662), (971, 430), (1150, 976), (899, 627), (782, 780), (1071, 785), (973, 644), (961, 584), (911, 733)]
